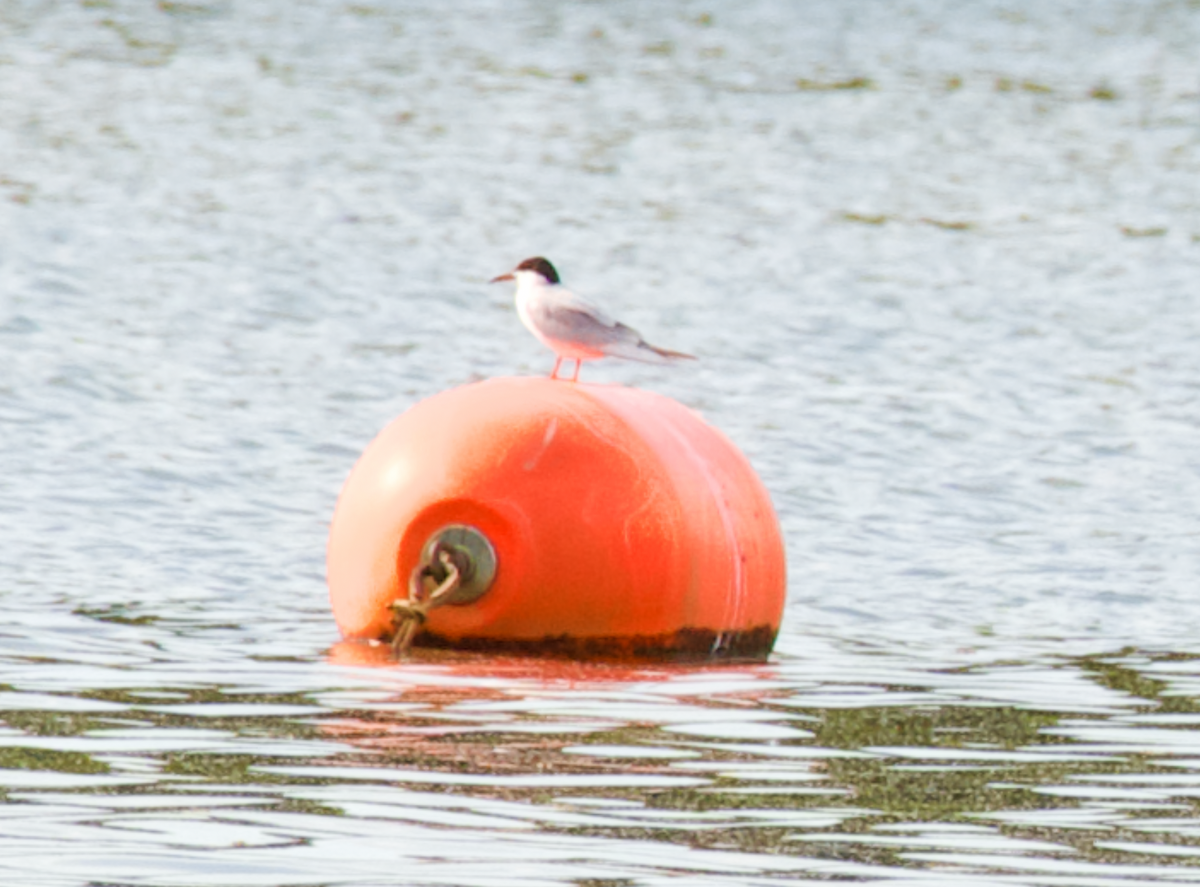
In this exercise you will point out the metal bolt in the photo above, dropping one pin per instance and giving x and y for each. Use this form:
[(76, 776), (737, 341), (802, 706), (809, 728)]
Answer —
[(472, 554)]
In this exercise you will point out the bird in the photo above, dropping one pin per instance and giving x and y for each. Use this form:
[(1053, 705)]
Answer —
[(570, 326)]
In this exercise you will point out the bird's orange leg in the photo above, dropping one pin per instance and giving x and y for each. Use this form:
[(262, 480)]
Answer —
[(557, 363), (578, 367)]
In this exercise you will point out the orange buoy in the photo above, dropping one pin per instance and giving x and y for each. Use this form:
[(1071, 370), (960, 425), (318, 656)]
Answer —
[(601, 521)]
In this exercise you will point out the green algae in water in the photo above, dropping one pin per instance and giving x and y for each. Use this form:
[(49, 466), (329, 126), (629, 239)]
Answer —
[(17, 758), (949, 225), (1004, 727), (50, 723), (804, 84), (865, 218)]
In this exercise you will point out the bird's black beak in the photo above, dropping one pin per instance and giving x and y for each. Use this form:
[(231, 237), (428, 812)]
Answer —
[(501, 277)]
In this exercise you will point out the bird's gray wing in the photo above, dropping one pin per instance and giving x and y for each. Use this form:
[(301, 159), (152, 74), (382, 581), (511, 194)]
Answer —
[(573, 319), (591, 328), (569, 318)]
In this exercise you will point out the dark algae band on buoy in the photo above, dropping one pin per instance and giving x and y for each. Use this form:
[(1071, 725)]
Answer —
[(540, 517), (685, 645)]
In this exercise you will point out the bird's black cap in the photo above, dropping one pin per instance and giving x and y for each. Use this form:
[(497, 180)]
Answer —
[(541, 266)]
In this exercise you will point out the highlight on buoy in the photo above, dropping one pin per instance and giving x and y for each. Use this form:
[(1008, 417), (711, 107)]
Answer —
[(533, 516)]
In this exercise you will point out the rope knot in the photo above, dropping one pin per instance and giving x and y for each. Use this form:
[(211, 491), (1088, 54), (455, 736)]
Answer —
[(444, 574)]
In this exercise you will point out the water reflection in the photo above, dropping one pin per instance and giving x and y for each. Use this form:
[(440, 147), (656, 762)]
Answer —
[(488, 771)]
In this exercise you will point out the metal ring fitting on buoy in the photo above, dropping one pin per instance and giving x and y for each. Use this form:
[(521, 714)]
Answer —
[(472, 554)]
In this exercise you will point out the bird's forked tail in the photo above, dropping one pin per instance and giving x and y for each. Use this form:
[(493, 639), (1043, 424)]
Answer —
[(666, 353)]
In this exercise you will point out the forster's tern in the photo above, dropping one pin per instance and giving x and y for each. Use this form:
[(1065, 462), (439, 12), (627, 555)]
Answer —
[(571, 327)]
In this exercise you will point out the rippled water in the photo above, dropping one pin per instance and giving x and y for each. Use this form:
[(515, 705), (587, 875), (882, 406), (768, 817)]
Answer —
[(939, 262)]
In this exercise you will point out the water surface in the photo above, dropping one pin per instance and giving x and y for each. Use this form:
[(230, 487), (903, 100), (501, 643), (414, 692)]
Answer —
[(939, 264)]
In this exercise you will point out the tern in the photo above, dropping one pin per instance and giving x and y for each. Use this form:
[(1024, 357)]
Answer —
[(570, 326)]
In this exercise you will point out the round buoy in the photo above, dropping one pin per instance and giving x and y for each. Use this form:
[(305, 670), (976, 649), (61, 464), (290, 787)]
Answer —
[(591, 521)]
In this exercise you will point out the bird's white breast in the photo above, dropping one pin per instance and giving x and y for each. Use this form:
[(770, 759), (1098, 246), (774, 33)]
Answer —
[(536, 301)]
